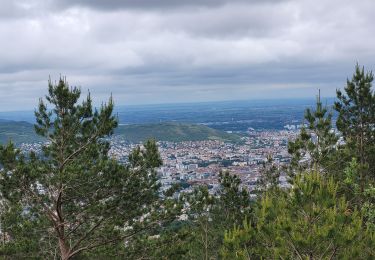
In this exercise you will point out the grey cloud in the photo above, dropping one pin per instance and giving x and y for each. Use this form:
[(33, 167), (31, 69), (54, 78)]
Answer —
[(143, 53), (234, 21), (153, 4), (16, 9)]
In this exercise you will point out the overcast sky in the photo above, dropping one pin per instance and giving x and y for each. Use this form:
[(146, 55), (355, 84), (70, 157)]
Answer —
[(167, 51)]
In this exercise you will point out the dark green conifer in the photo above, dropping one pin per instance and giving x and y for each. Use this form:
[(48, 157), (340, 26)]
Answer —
[(356, 121), (316, 143), (269, 178), (74, 195), (309, 221), (209, 215)]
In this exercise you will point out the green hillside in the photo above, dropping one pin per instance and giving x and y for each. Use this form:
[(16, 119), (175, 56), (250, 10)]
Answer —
[(23, 132), (18, 132), (174, 132)]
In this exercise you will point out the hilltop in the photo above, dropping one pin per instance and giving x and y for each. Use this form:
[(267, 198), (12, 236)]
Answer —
[(174, 132), (23, 132)]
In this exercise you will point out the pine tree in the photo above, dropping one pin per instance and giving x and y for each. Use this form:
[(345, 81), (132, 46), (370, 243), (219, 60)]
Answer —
[(356, 121), (316, 143), (234, 199), (310, 221), (210, 214), (75, 196), (270, 174)]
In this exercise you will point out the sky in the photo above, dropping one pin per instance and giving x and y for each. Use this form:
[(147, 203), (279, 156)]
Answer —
[(171, 51)]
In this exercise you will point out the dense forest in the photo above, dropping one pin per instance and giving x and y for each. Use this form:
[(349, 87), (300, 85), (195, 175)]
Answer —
[(73, 201)]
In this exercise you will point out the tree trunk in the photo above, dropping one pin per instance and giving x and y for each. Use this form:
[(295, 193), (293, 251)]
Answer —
[(64, 249)]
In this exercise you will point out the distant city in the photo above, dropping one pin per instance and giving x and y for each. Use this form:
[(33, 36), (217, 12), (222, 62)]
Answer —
[(261, 130), (200, 162)]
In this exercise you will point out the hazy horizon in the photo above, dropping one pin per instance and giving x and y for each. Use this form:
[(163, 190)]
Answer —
[(180, 104), (240, 113)]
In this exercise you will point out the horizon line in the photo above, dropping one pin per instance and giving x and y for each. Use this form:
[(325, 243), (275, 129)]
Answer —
[(192, 102)]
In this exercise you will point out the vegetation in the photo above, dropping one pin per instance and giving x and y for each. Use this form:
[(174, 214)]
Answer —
[(316, 142), (328, 212), (73, 201), (174, 132), (72, 198), (309, 221), (23, 132), (356, 122)]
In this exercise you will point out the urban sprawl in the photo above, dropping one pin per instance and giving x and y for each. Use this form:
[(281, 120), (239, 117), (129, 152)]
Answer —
[(200, 162), (194, 163)]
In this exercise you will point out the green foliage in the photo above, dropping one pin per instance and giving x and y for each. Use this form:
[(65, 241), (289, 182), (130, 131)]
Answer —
[(234, 200), (174, 132), (209, 215), (308, 222), (73, 195), (356, 121), (316, 143), (364, 200), (269, 179), (23, 132)]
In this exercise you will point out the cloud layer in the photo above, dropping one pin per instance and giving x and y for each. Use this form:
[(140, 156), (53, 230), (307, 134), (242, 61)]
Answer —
[(155, 51)]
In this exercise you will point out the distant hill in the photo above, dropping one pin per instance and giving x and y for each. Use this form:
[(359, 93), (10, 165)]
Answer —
[(23, 132), (174, 132), (18, 132)]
